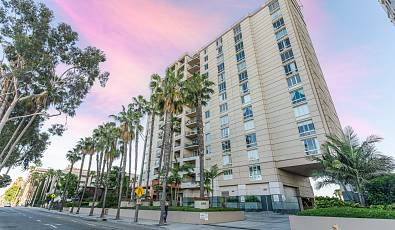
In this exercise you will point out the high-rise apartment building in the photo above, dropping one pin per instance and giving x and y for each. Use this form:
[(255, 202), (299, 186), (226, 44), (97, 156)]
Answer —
[(389, 7), (271, 110)]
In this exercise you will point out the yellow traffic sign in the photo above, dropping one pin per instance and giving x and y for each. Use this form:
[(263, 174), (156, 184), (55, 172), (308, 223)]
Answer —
[(53, 196), (139, 191)]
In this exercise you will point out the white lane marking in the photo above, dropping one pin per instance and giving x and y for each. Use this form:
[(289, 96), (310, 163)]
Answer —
[(30, 217), (38, 220), (90, 224), (74, 221), (51, 225)]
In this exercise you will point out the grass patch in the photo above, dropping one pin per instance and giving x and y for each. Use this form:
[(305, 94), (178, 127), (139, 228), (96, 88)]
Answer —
[(371, 213)]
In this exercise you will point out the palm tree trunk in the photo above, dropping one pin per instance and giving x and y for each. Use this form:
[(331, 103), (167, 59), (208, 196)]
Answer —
[(79, 179), (142, 160), (11, 150), (86, 183), (36, 193), (66, 187), (199, 121), (99, 158), (123, 166), (106, 188), (167, 147), (136, 144), (150, 149), (130, 170)]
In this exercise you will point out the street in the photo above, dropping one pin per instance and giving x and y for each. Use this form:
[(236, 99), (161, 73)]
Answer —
[(35, 219)]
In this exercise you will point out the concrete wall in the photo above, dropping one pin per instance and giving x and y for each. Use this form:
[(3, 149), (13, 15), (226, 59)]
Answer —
[(326, 223), (177, 216)]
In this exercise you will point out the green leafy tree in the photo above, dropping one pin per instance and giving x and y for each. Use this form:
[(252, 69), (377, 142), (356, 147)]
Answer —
[(347, 161), (42, 68), (381, 190), (5, 180), (198, 90), (67, 184)]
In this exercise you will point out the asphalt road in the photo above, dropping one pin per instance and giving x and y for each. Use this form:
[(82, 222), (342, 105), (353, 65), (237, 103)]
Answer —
[(20, 218)]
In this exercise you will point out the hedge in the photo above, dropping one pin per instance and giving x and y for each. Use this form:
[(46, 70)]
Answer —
[(372, 213), (188, 209)]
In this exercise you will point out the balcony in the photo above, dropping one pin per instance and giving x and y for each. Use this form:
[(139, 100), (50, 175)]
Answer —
[(191, 123), (191, 112), (194, 68), (191, 145), (189, 184), (191, 134), (194, 60)]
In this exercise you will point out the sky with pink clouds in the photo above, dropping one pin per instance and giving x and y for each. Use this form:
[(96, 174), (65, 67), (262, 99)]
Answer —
[(354, 41)]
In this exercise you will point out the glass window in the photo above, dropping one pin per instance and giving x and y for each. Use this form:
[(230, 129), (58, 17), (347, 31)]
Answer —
[(290, 68), (205, 66), (284, 44), (237, 29), (207, 114), (311, 146), (239, 46), (221, 77), (238, 38), (241, 66), (224, 120), (282, 33), (251, 140), (222, 97), (223, 107), (274, 6), (208, 149), (205, 58), (298, 96), (205, 51), (219, 42), (221, 67), (278, 24), (222, 87), (255, 172), (247, 112), (207, 126), (301, 111), (293, 80), (248, 125), (228, 174), (253, 155), (244, 87), (208, 138), (276, 15), (240, 56), (219, 50), (227, 160), (220, 58), (243, 76), (226, 146), (306, 128), (287, 55), (246, 99), (225, 132)]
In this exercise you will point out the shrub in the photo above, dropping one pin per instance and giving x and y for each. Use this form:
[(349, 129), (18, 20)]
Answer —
[(381, 190), (373, 213), (328, 202)]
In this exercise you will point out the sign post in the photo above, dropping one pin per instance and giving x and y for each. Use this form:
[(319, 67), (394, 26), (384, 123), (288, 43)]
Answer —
[(139, 193)]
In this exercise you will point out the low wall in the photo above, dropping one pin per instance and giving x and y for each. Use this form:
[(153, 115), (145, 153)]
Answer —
[(326, 223), (177, 216)]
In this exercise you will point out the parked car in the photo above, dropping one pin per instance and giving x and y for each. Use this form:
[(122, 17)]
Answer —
[(7, 205)]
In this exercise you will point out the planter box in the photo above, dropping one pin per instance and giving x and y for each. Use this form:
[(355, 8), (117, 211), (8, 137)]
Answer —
[(324, 223), (202, 204), (96, 203), (177, 216), (145, 203), (156, 203), (127, 204)]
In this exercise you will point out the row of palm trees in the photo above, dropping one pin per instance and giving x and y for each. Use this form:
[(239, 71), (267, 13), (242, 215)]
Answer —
[(113, 140)]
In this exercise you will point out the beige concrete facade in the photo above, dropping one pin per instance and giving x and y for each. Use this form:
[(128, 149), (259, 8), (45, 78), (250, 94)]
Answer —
[(272, 119)]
